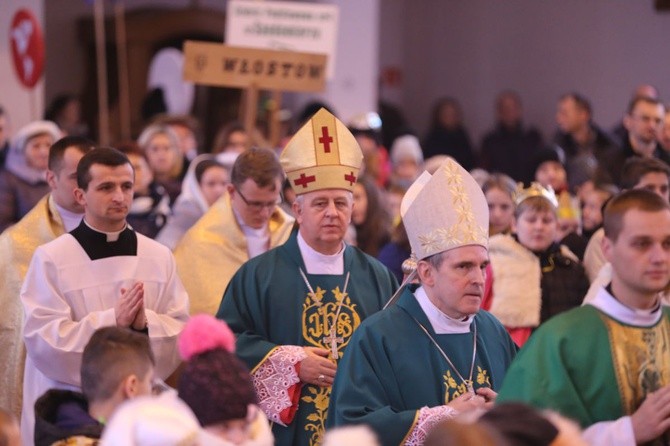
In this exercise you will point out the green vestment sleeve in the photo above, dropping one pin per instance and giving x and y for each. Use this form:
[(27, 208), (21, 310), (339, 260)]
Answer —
[(245, 316), (567, 366)]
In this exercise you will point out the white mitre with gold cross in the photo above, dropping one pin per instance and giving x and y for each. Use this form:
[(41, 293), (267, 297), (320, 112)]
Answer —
[(444, 211), (323, 154)]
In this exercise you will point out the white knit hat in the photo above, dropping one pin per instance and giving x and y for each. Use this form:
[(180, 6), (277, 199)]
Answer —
[(33, 129), (406, 146), (17, 162), (155, 421)]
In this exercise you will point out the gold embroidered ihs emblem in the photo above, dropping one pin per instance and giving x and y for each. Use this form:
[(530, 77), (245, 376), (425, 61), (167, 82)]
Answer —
[(454, 389), (319, 315), (318, 318)]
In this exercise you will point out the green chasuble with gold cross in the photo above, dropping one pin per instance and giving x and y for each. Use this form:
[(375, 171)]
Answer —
[(392, 369), (268, 305), (589, 366)]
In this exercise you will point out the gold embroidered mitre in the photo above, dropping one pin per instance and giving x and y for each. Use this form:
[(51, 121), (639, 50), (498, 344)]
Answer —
[(445, 211), (323, 154), (535, 190)]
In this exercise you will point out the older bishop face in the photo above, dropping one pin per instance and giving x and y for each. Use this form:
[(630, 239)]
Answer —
[(456, 285), (324, 216)]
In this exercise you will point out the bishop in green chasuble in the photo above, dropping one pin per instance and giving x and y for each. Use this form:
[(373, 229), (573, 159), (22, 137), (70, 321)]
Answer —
[(433, 354), (274, 315), (310, 293)]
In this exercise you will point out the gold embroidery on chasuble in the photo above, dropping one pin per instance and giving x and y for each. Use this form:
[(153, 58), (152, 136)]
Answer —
[(641, 360), (453, 389), (318, 316)]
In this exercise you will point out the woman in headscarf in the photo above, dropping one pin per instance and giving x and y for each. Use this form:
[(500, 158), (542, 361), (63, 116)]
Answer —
[(23, 182), (204, 183)]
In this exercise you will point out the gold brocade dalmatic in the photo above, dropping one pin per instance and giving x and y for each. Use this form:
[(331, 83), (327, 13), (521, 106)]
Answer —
[(212, 251), (17, 245), (641, 359)]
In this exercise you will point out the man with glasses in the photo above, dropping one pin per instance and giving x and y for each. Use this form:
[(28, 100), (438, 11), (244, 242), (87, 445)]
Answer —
[(644, 121), (242, 224), (295, 307)]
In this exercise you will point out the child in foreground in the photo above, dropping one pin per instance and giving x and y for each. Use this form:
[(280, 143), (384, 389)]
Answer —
[(217, 386)]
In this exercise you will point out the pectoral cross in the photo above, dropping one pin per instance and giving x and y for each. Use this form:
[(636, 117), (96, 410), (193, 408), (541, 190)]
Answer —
[(333, 341)]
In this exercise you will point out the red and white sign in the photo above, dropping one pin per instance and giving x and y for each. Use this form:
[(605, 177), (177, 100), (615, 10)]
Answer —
[(27, 42)]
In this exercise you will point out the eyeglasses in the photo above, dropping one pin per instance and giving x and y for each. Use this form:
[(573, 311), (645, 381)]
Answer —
[(258, 205)]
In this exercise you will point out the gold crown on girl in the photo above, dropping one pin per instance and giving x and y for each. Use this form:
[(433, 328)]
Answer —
[(535, 190)]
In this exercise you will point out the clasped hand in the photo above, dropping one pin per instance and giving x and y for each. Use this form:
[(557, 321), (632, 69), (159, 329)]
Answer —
[(129, 309)]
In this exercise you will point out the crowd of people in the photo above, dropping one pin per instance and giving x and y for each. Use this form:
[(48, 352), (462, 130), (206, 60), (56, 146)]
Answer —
[(344, 288)]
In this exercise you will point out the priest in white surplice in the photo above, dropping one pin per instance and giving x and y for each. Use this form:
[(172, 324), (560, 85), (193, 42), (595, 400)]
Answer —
[(100, 274)]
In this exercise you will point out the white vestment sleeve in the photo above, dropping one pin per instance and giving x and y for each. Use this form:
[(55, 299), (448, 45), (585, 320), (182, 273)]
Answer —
[(618, 432), (427, 418), (54, 341), (166, 320), (277, 383)]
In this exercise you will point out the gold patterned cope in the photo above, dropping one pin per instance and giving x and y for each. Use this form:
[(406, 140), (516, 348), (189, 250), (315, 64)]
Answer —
[(212, 251), (454, 389), (323, 154), (641, 359), (17, 245), (318, 316), (447, 211)]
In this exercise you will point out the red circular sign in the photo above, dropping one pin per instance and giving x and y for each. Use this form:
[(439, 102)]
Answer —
[(27, 42)]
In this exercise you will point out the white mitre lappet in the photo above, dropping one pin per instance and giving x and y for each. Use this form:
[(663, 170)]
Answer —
[(445, 211)]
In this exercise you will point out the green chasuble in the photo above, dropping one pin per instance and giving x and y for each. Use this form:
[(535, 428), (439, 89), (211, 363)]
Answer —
[(391, 368), (267, 304), (590, 367)]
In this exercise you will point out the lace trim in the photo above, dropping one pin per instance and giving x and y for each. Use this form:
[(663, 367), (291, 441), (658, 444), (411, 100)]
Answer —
[(273, 379), (427, 419)]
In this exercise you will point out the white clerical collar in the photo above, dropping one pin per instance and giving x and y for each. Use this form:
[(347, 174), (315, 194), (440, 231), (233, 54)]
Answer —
[(442, 324), (111, 236), (606, 303), (70, 219), (317, 263)]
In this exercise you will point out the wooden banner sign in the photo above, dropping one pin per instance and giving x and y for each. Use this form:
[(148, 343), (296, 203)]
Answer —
[(221, 65)]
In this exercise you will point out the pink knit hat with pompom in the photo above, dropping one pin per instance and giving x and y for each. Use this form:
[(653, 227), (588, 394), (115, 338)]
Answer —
[(215, 383), (203, 333)]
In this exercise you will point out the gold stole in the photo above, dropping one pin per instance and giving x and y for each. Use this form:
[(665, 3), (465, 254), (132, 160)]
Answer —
[(641, 359)]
